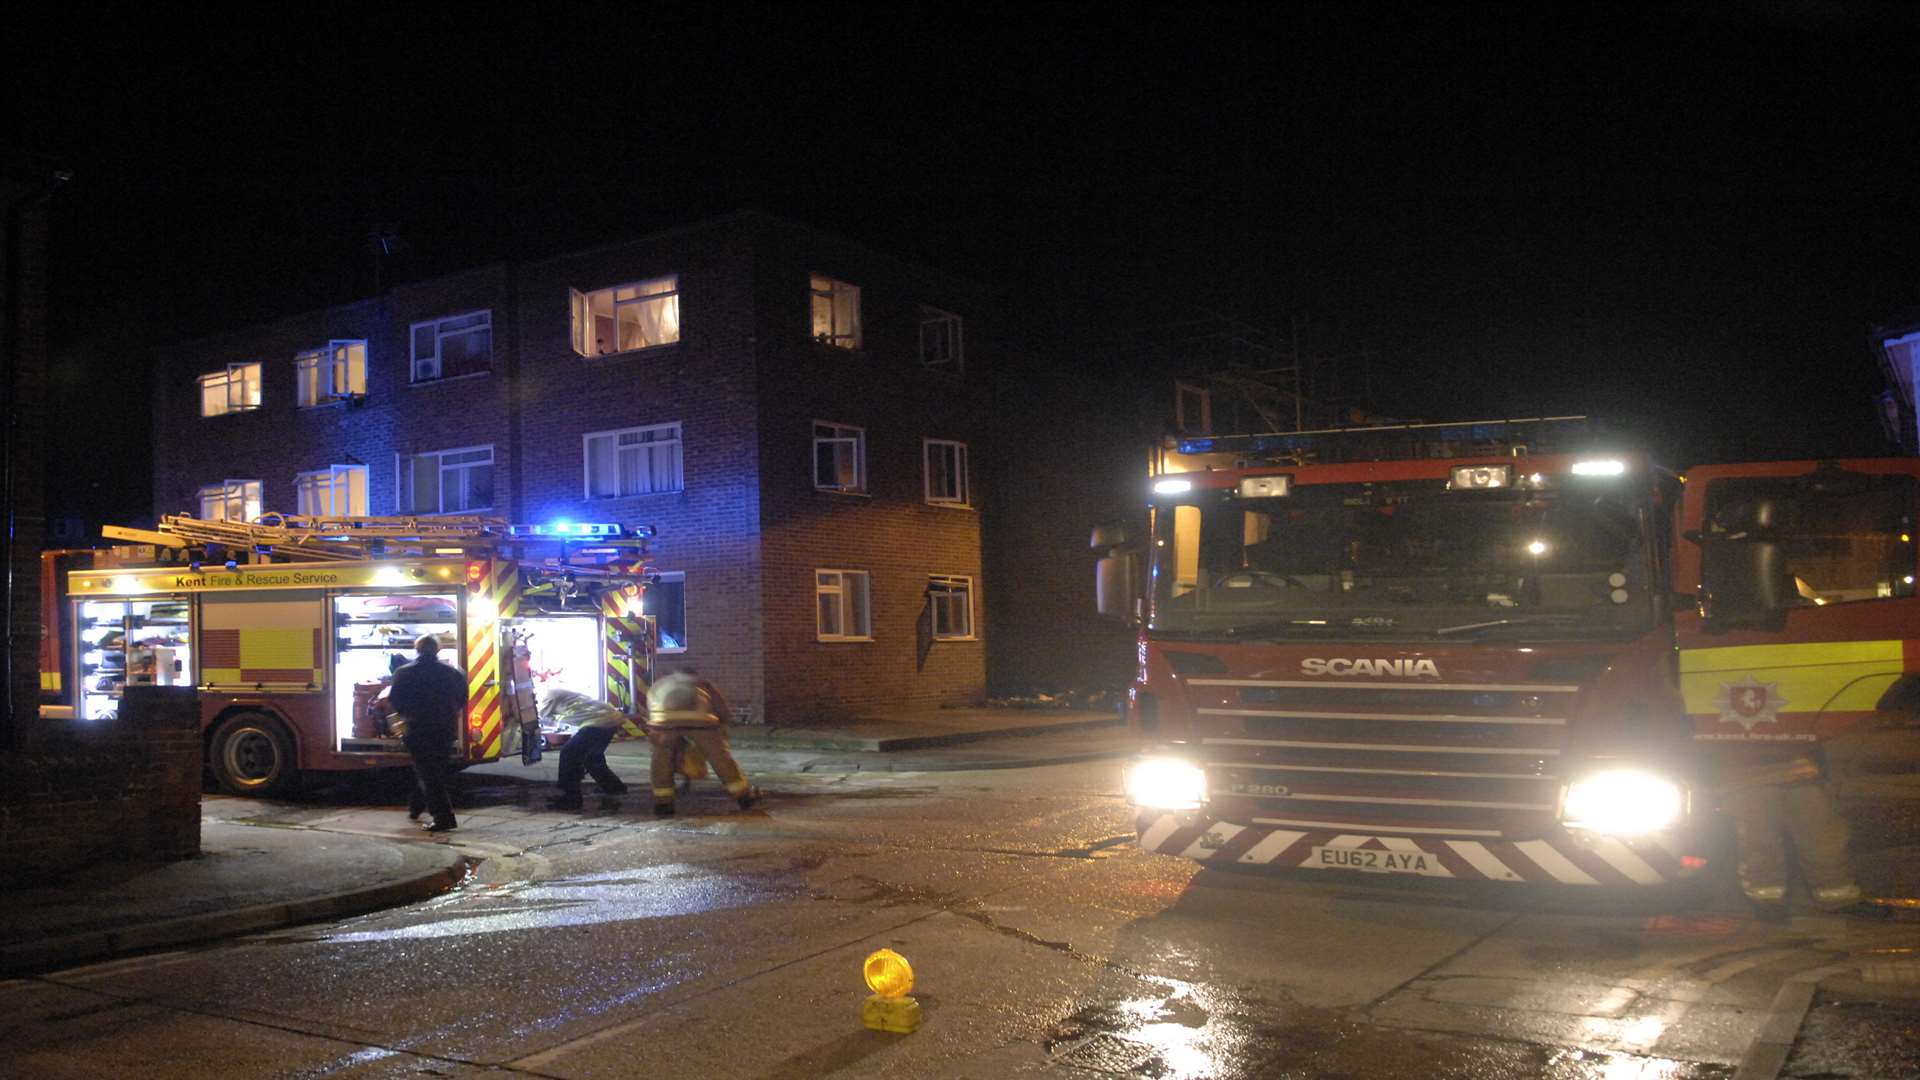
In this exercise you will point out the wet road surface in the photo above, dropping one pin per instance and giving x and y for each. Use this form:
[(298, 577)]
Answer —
[(722, 943)]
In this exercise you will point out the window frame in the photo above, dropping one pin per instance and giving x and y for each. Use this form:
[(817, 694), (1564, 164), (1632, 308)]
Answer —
[(235, 374), (224, 490), (439, 346), (678, 443), (956, 363), (334, 475), (340, 358), (839, 589), (580, 306), (1181, 389), (403, 481), (962, 470), (859, 441), (834, 288), (686, 637), (1795, 541), (952, 583)]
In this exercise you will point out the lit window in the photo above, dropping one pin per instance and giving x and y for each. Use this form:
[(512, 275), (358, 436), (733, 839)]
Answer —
[(626, 317), (446, 481), (323, 376), (839, 457), (941, 345), (950, 601), (946, 464), (836, 312), (230, 500), (451, 347), (634, 461), (236, 389), (340, 491), (1192, 409), (841, 608), (666, 605)]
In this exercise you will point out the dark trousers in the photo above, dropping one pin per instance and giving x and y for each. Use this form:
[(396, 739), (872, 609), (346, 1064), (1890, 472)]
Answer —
[(430, 779), (586, 753)]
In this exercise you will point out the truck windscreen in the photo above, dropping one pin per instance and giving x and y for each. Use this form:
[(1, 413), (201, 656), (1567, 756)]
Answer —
[(1405, 560)]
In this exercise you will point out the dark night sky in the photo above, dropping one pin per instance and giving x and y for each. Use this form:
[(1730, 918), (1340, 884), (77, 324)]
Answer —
[(1684, 221)]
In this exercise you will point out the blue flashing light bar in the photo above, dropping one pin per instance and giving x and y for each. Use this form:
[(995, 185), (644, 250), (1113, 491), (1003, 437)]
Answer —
[(581, 529), (1413, 440)]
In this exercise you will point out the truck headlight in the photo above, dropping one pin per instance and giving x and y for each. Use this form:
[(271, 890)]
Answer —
[(1166, 783), (1623, 802)]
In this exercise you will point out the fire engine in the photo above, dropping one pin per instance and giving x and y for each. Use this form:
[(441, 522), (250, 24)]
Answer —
[(289, 627), (1494, 650)]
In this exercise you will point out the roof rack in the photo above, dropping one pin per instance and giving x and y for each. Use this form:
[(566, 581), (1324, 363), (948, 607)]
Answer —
[(1476, 438), (276, 536)]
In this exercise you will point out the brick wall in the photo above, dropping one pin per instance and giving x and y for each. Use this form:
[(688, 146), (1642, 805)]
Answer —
[(124, 790), (280, 439), (891, 532), (710, 530), (744, 382)]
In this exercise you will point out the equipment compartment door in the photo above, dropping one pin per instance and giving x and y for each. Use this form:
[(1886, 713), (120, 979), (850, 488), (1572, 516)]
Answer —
[(372, 635), (562, 651)]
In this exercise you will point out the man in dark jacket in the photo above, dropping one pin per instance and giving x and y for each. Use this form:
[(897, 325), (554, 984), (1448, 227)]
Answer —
[(432, 696)]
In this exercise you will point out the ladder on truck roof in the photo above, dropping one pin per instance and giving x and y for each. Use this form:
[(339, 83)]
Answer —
[(274, 536), (1426, 440)]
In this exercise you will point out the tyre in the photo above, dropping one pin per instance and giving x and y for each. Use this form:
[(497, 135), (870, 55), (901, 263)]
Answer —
[(252, 754)]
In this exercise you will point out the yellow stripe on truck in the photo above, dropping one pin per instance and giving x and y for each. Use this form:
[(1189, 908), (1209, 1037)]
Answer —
[(276, 649), (1823, 676)]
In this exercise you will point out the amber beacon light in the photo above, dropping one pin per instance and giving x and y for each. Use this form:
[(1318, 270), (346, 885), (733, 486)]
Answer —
[(890, 978)]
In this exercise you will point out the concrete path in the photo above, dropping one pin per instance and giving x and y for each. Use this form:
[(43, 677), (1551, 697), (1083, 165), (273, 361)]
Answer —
[(247, 878)]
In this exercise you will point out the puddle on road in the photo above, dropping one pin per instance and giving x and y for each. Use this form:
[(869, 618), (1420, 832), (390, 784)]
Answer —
[(1169, 1029), (654, 892)]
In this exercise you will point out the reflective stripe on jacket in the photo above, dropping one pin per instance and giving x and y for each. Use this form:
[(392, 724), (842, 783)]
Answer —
[(581, 711), (679, 701)]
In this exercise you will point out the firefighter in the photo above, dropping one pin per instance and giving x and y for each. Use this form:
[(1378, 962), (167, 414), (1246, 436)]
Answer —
[(431, 696), (684, 706), (1780, 803), (586, 752)]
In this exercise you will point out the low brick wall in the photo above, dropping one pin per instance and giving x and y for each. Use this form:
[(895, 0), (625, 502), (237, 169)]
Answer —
[(80, 793)]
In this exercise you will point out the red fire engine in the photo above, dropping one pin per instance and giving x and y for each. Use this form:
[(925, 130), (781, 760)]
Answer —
[(289, 627), (1492, 650)]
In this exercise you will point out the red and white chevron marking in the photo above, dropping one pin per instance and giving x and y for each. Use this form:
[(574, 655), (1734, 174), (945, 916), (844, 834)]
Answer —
[(1556, 858)]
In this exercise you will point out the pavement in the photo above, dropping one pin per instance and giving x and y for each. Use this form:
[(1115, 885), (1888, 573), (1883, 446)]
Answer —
[(255, 876), (247, 878)]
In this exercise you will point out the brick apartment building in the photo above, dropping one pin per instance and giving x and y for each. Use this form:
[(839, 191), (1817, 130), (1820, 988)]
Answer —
[(804, 421)]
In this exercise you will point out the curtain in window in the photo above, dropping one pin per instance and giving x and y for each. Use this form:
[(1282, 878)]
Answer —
[(603, 468), (836, 463), (420, 481)]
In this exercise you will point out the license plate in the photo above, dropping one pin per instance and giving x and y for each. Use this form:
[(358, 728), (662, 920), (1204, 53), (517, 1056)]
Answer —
[(1374, 861)]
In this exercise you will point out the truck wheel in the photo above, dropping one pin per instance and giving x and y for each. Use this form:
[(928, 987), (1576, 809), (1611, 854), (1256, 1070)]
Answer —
[(252, 755)]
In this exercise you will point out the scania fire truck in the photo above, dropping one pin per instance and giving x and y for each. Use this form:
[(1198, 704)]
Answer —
[(289, 627), (1494, 650)]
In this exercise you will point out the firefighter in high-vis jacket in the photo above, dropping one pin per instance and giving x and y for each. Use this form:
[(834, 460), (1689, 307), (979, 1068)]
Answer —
[(1783, 812), (684, 706)]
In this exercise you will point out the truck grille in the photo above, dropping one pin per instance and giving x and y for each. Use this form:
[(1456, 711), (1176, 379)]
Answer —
[(1441, 760)]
